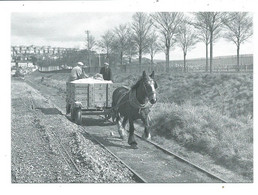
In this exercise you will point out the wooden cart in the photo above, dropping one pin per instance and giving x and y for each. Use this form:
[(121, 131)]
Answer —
[(89, 99)]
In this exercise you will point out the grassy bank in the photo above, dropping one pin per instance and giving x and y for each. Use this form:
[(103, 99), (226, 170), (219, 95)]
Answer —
[(229, 142), (229, 94)]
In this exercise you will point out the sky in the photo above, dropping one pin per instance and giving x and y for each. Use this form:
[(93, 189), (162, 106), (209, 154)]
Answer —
[(67, 29)]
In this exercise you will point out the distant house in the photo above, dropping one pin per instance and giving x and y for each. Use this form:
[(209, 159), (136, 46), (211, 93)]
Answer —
[(29, 53)]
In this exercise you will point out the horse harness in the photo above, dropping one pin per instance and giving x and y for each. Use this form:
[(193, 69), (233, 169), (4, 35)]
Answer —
[(132, 101)]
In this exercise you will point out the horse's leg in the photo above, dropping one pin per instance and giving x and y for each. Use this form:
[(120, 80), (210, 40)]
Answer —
[(119, 126), (124, 122), (146, 134), (131, 138)]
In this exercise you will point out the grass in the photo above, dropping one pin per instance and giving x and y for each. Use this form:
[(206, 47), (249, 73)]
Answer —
[(229, 94), (202, 129)]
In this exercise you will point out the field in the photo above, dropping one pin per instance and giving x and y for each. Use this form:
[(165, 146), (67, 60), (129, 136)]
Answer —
[(210, 114)]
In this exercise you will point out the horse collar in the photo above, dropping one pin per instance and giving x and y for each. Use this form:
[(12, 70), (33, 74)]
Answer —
[(134, 101)]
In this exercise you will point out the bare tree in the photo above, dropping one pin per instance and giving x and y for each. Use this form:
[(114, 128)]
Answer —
[(214, 21), (106, 42), (131, 48), (141, 27), (167, 24), (90, 43), (201, 24), (121, 36), (209, 26), (154, 45), (186, 38), (239, 29)]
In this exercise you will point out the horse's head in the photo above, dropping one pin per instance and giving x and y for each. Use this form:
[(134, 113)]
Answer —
[(150, 86)]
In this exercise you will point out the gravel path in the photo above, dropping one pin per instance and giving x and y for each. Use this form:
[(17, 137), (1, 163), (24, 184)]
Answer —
[(36, 156)]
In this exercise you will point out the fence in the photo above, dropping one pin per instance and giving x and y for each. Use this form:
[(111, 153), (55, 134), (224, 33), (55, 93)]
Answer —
[(162, 68), (136, 69), (220, 64), (49, 68)]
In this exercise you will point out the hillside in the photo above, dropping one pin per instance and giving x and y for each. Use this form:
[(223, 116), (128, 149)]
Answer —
[(229, 94)]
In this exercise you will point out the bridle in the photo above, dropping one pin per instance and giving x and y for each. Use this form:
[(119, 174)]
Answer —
[(133, 99), (148, 93)]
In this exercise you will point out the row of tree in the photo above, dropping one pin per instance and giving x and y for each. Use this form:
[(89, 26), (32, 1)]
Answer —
[(160, 31)]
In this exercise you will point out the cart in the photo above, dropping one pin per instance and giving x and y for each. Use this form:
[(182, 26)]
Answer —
[(89, 98)]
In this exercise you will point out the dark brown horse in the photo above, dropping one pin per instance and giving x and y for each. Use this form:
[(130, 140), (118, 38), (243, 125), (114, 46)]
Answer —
[(135, 103)]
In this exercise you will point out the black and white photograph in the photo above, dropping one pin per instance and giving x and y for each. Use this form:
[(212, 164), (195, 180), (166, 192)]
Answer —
[(108, 94)]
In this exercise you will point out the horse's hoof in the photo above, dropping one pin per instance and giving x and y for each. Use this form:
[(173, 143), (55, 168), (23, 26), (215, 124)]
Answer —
[(146, 137), (122, 135), (132, 143), (134, 146)]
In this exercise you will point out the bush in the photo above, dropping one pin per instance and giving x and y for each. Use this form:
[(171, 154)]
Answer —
[(228, 141)]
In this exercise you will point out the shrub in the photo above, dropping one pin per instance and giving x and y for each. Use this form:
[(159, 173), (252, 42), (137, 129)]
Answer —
[(202, 129)]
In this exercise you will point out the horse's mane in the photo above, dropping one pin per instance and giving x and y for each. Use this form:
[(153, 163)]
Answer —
[(137, 83)]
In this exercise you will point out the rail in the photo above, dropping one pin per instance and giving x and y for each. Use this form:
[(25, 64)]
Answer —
[(180, 158)]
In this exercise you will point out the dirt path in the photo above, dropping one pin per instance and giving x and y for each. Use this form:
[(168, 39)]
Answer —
[(36, 156)]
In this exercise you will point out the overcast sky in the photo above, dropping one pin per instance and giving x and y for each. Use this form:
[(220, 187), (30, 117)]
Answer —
[(68, 30)]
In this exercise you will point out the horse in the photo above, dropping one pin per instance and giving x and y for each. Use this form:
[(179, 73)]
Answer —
[(135, 103)]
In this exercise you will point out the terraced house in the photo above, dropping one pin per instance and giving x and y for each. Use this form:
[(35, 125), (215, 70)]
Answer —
[(26, 53)]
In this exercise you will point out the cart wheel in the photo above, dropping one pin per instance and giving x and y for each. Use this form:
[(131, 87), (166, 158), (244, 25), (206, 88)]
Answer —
[(78, 116), (107, 116)]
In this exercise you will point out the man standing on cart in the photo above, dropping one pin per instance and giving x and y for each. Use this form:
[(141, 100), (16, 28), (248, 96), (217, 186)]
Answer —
[(106, 72), (77, 72)]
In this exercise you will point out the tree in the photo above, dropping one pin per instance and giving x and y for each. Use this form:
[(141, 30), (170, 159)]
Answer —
[(141, 26), (167, 24), (154, 45), (239, 29), (186, 38), (90, 43), (201, 24), (214, 21), (208, 25), (121, 36), (106, 42), (131, 48)]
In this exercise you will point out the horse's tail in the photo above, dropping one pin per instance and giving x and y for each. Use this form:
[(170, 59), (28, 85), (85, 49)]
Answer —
[(114, 105)]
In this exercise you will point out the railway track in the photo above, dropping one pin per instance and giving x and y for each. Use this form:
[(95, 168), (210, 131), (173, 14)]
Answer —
[(61, 148), (65, 154), (139, 177), (184, 160), (180, 158)]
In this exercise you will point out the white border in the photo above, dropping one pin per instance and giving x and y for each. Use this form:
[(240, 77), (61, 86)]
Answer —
[(6, 8)]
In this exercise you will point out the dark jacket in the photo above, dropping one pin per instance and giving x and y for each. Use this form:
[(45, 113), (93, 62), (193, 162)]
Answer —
[(107, 73)]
